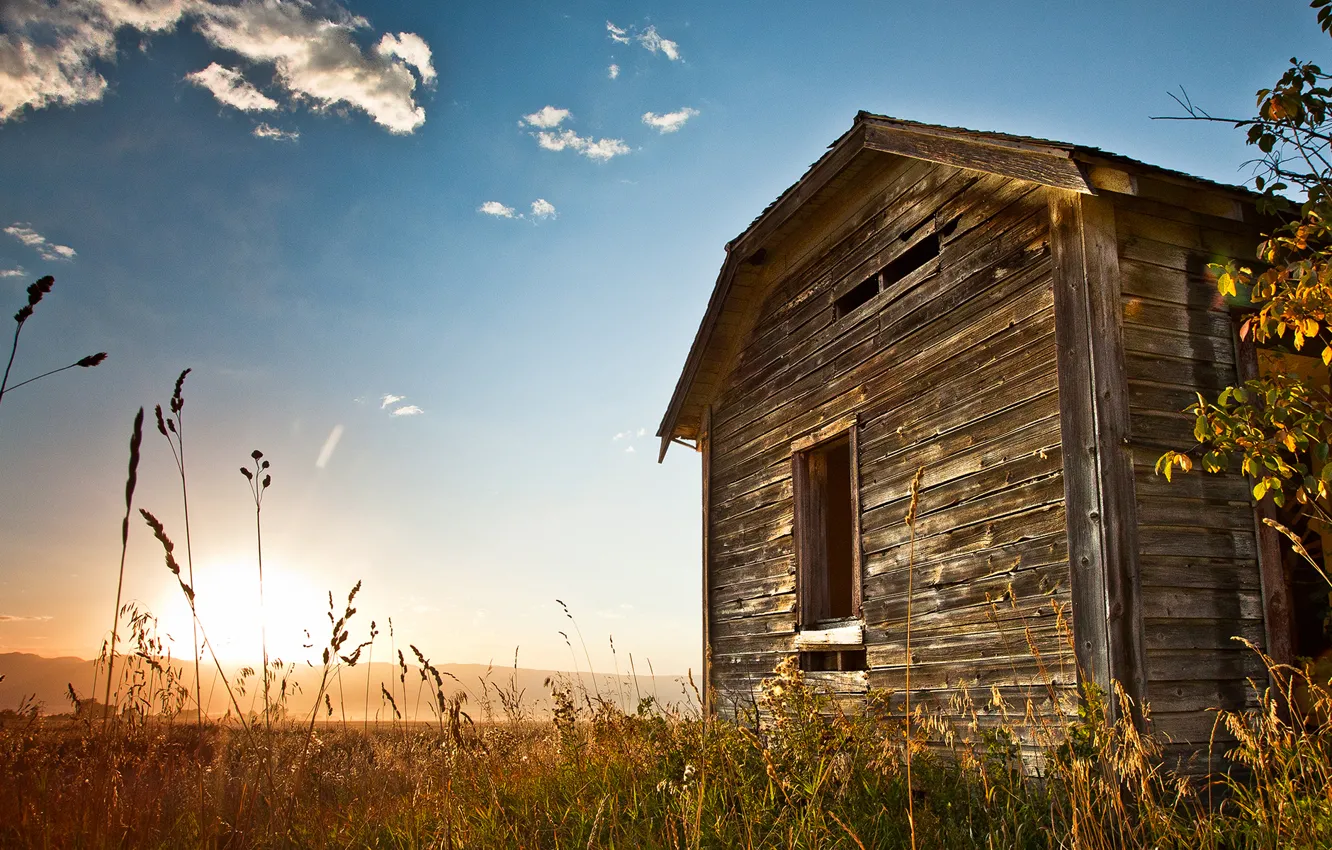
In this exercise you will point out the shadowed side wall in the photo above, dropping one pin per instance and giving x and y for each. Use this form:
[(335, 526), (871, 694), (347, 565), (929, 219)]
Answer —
[(1197, 545)]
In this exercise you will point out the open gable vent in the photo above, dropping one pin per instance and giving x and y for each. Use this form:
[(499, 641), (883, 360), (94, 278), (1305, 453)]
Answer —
[(924, 252)]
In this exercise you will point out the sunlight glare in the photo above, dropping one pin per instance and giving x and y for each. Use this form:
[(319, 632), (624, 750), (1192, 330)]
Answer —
[(227, 597)]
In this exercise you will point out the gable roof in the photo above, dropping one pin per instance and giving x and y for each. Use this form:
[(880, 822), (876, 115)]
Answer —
[(1077, 168)]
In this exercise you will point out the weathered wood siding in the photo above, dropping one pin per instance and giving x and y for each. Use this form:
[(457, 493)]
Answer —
[(1197, 546), (956, 374)]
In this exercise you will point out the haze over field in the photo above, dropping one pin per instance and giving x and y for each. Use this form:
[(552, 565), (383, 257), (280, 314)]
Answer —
[(44, 682), (442, 264)]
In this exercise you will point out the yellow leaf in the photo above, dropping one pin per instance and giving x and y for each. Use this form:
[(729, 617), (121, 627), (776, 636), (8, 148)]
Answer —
[(1290, 442), (1327, 356)]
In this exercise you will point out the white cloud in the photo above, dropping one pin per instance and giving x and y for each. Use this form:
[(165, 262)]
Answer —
[(496, 209), (601, 149), (389, 398), (654, 42), (629, 450), (642, 432), (648, 38), (48, 52), (613, 71), (408, 410), (316, 59), (232, 89), (542, 208), (326, 453), (546, 117), (670, 121), (15, 272), (267, 131), (45, 248), (410, 48)]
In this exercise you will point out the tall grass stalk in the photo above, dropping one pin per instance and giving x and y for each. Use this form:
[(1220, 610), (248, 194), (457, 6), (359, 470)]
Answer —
[(911, 569), (168, 426), (83, 362), (168, 548), (369, 667), (36, 291), (136, 439), (258, 486)]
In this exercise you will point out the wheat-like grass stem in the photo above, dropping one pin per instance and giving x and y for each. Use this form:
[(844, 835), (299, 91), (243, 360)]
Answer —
[(136, 439), (911, 569)]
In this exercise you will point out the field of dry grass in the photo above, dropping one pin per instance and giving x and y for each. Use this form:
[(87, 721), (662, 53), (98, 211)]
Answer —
[(805, 775)]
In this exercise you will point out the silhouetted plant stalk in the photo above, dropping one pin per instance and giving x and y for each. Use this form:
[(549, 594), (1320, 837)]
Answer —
[(172, 427), (337, 640), (85, 362), (257, 488), (369, 666), (169, 548), (136, 439), (36, 291)]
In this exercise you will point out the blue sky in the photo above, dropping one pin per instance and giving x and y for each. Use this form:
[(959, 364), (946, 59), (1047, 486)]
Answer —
[(305, 278)]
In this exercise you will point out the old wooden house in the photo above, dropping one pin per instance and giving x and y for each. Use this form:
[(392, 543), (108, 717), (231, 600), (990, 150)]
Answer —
[(1024, 321)]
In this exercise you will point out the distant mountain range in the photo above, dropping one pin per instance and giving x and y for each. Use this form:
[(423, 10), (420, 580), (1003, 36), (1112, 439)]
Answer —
[(46, 681)]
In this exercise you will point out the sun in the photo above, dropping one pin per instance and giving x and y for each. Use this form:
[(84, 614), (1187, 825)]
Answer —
[(228, 604)]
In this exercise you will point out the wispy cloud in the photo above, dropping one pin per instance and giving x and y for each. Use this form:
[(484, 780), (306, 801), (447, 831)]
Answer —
[(542, 208), (599, 149), (45, 248), (15, 618), (49, 53), (613, 71), (649, 38), (330, 444), (267, 131), (654, 42), (670, 121), (14, 272), (231, 88), (407, 410), (389, 398), (546, 117)]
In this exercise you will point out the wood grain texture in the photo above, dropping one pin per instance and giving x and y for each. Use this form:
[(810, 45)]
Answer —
[(1037, 166), (955, 370), (1197, 541)]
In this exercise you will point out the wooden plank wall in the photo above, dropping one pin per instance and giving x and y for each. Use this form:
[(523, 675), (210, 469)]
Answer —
[(956, 374), (1197, 548)]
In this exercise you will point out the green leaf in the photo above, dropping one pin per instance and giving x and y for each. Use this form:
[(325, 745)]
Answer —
[(1260, 490)]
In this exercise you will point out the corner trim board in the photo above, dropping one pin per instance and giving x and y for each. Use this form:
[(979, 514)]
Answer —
[(1099, 490)]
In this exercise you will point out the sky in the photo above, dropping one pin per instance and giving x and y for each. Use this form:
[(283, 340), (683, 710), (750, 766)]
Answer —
[(442, 263)]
